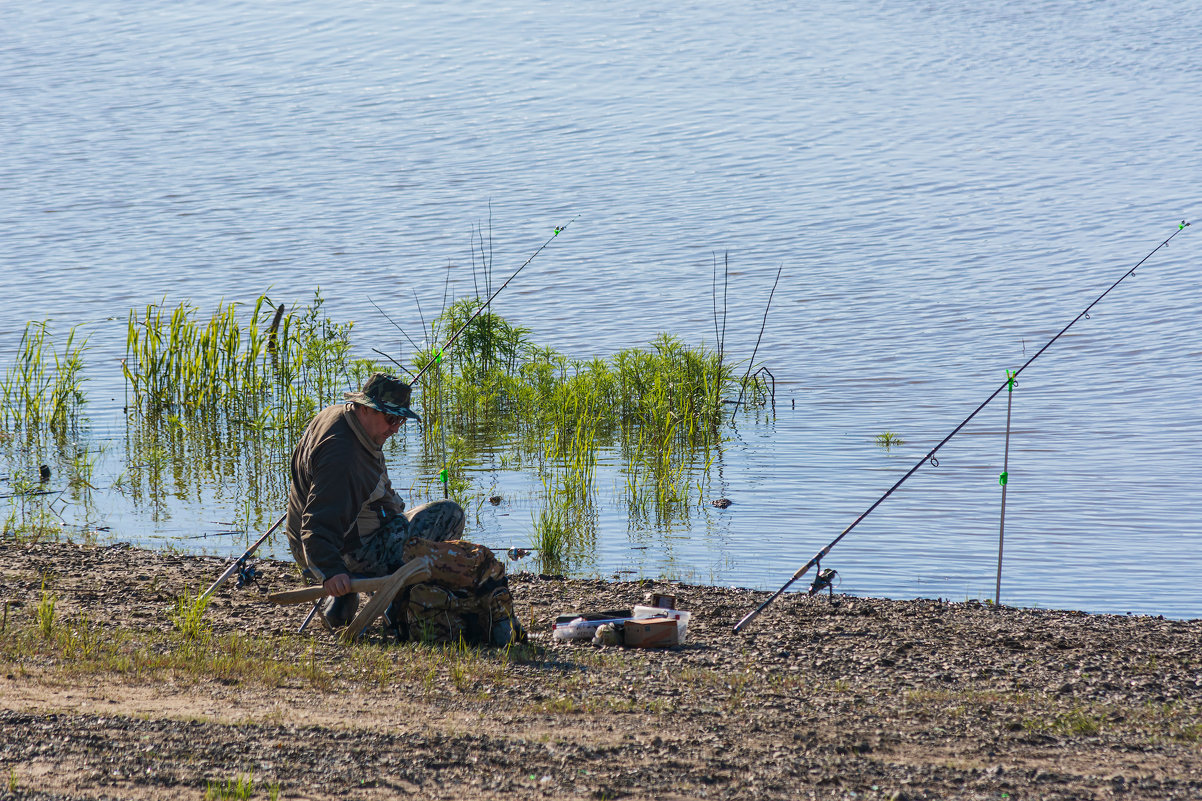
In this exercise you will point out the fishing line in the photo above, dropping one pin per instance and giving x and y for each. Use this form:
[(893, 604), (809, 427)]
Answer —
[(395, 325), (930, 455), (442, 427), (751, 361)]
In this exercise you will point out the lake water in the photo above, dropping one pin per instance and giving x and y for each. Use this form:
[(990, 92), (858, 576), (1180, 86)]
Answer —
[(946, 185)]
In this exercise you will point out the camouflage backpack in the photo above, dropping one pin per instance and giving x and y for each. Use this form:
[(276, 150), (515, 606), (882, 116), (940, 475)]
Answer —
[(467, 596)]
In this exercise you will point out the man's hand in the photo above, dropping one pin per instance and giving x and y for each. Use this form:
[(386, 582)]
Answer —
[(338, 585)]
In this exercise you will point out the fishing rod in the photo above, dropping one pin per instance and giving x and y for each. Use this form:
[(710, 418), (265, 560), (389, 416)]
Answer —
[(438, 353), (930, 455), (239, 564)]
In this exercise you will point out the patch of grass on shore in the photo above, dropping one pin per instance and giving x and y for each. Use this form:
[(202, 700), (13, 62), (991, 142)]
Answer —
[(45, 611), (239, 788), (1078, 722), (67, 649), (79, 646), (188, 617)]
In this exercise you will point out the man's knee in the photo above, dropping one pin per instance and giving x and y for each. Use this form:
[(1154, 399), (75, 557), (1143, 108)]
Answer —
[(451, 519), (438, 520)]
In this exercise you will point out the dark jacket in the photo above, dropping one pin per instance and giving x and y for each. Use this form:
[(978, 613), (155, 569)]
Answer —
[(340, 486)]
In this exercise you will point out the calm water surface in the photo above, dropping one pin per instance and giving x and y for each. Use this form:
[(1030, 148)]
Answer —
[(946, 184)]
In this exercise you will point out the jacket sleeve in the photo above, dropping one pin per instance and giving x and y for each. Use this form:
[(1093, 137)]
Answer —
[(337, 491)]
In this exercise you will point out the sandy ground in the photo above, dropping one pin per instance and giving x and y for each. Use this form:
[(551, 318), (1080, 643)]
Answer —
[(855, 698)]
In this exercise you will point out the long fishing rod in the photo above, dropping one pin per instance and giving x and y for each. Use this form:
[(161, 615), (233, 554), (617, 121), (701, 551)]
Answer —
[(930, 455), (438, 354)]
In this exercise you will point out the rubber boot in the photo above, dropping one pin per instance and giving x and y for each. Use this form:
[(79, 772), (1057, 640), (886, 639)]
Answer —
[(340, 611)]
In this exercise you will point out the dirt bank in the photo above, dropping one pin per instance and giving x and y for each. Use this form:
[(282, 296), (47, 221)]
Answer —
[(860, 698)]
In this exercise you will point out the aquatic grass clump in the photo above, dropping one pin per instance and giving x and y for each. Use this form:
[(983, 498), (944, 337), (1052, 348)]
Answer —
[(221, 401), (565, 528), (673, 388), (488, 344), (889, 439), (552, 537), (670, 387), (659, 410), (43, 386), (273, 369)]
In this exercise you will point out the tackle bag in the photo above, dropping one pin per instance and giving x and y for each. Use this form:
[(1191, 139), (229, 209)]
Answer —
[(467, 596)]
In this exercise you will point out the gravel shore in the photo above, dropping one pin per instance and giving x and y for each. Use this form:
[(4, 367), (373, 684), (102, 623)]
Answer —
[(851, 698)]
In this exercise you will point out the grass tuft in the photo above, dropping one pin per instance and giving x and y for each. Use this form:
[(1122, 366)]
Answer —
[(889, 439), (188, 617), (239, 788), (45, 612)]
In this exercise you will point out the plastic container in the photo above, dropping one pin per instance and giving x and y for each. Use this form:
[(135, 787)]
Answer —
[(679, 615), (579, 628)]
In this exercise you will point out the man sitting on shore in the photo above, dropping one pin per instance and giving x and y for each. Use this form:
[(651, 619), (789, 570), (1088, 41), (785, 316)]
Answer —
[(343, 515)]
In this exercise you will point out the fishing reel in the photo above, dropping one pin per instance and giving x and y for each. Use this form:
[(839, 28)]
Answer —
[(824, 580), (247, 575)]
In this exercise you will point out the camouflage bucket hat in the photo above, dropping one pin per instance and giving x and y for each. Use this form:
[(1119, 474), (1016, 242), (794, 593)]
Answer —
[(385, 393)]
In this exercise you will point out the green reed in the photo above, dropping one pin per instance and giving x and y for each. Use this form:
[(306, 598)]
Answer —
[(659, 409), (41, 402), (268, 369), (489, 344), (219, 401), (565, 528), (43, 387), (551, 536)]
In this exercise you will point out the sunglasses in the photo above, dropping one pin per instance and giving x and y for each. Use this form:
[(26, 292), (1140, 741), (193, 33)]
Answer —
[(394, 419)]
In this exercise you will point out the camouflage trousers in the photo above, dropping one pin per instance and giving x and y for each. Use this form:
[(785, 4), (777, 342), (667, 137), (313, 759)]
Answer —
[(382, 552)]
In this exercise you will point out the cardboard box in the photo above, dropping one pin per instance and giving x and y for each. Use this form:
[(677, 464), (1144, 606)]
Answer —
[(661, 601), (651, 632), (679, 615)]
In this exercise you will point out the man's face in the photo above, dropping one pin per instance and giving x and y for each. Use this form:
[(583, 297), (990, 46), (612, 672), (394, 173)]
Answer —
[(378, 425)]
